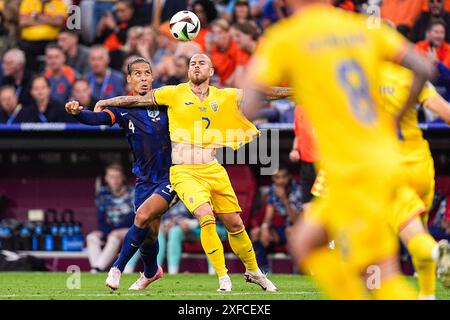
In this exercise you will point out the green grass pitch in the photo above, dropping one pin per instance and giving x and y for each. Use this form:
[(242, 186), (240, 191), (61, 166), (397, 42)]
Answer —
[(50, 286)]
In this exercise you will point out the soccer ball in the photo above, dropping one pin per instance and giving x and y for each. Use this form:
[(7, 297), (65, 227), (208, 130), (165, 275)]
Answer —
[(184, 25)]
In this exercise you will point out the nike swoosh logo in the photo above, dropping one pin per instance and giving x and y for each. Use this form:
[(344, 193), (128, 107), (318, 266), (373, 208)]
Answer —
[(212, 251), (123, 113), (134, 245), (165, 192)]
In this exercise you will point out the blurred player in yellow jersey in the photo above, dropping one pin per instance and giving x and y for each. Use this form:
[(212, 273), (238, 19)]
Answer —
[(201, 119), (414, 201), (333, 68)]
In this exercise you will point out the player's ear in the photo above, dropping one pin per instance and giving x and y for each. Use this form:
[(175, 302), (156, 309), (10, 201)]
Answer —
[(211, 72), (128, 78)]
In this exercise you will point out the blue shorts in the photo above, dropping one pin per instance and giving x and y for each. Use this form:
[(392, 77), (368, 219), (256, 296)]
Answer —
[(144, 190)]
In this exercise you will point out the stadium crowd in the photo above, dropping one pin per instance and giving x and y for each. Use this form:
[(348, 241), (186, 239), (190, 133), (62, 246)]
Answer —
[(49, 57)]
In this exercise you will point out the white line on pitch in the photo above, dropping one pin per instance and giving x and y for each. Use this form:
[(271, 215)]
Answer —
[(156, 294)]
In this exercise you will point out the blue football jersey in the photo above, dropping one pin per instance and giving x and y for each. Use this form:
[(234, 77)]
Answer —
[(147, 132)]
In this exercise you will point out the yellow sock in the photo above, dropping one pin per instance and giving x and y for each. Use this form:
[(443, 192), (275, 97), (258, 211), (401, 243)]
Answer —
[(243, 248), (212, 245), (334, 278), (420, 247), (395, 288)]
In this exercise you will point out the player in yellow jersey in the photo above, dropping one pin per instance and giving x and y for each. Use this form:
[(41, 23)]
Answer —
[(333, 69), (408, 219), (415, 201), (201, 119)]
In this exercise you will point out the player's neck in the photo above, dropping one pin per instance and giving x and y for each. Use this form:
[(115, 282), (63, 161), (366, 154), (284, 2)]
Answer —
[(201, 90)]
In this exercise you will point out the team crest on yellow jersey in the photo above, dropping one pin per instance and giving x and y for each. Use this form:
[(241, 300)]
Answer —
[(214, 106)]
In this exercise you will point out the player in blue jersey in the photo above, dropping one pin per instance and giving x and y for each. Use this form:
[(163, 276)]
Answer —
[(147, 133)]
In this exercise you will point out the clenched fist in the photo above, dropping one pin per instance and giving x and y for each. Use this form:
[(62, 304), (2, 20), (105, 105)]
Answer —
[(73, 107)]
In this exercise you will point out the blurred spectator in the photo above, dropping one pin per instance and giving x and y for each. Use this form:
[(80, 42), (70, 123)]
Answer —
[(241, 12), (401, 12), (284, 199), (112, 30), (104, 82), (15, 74), (206, 13), (150, 12), (40, 22), (223, 50), (246, 35), (256, 8), (13, 112), (177, 225), (439, 218), (435, 45), (77, 55), (273, 11), (169, 48), (101, 8), (48, 109), (81, 92), (115, 214), (304, 151), (180, 74), (60, 76), (140, 41), (436, 10), (9, 24)]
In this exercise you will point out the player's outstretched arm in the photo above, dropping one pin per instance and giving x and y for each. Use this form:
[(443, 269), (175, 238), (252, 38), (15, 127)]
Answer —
[(423, 70), (276, 93), (125, 102), (440, 106), (87, 116)]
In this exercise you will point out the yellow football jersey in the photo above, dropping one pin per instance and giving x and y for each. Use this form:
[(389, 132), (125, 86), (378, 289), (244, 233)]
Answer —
[(333, 68), (212, 123), (395, 85)]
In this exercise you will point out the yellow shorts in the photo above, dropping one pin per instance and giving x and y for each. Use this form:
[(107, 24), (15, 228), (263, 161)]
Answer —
[(204, 183), (354, 215), (416, 197)]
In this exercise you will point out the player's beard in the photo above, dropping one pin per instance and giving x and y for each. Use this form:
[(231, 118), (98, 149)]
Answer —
[(198, 79)]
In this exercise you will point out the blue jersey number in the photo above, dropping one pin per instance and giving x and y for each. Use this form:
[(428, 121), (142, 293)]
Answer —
[(208, 122), (354, 81)]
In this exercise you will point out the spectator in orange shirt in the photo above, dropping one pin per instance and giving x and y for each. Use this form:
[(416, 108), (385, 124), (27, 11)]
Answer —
[(58, 73), (436, 10), (246, 35), (113, 33), (305, 152), (435, 45), (223, 50)]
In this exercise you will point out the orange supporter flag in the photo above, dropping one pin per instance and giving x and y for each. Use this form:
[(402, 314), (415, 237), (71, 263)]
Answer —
[(305, 137), (402, 11), (443, 52)]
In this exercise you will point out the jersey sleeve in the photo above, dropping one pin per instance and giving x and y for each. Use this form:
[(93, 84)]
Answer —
[(391, 45), (267, 65), (427, 92), (114, 114), (163, 96)]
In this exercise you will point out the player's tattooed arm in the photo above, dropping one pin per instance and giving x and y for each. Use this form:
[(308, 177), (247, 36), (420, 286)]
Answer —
[(126, 102), (275, 93)]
